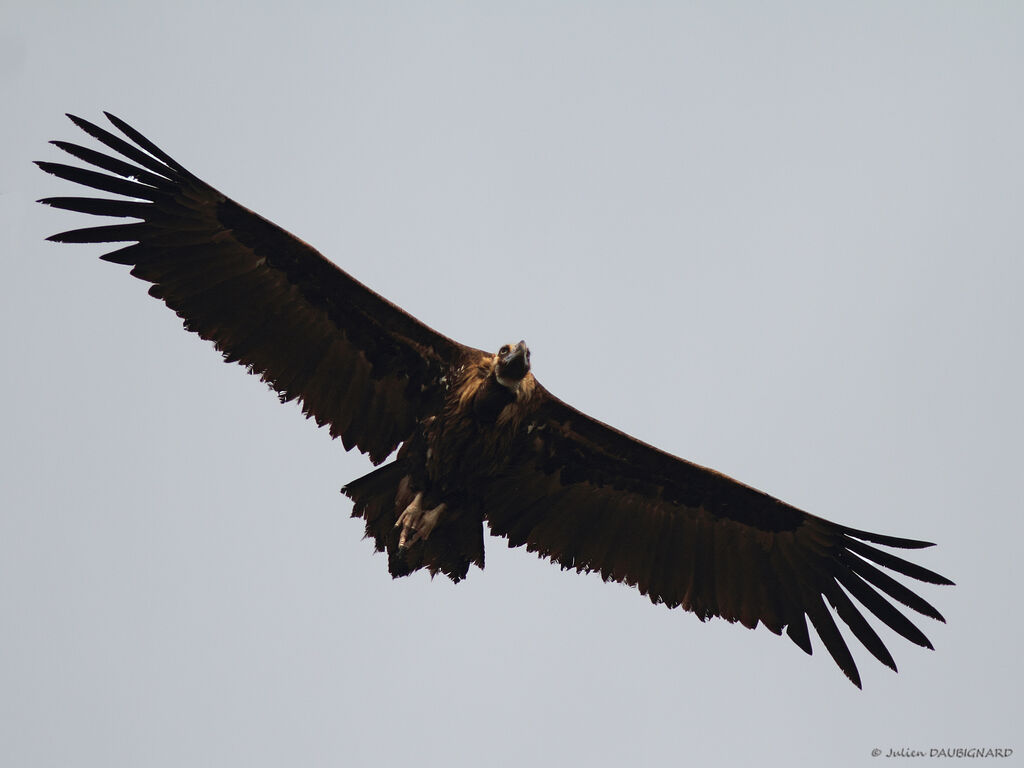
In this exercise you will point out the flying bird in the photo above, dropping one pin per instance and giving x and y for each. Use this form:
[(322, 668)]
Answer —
[(474, 435)]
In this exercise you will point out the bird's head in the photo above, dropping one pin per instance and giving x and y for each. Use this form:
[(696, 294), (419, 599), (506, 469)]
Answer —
[(512, 364)]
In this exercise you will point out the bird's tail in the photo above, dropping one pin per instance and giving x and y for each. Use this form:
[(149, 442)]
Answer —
[(382, 495)]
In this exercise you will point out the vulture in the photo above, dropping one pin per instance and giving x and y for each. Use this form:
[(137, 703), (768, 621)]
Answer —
[(473, 434)]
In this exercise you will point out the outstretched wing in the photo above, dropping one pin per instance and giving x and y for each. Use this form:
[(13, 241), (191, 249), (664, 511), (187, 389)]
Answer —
[(592, 498), (265, 298)]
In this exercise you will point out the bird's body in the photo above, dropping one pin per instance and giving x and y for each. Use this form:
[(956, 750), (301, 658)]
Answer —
[(475, 437), (454, 454)]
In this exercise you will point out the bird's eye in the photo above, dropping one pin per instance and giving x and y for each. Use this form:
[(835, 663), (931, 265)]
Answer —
[(503, 350)]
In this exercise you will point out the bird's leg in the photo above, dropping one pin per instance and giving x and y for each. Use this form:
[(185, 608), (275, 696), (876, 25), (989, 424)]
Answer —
[(416, 522)]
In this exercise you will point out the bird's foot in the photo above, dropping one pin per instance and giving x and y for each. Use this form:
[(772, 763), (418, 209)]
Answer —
[(416, 522)]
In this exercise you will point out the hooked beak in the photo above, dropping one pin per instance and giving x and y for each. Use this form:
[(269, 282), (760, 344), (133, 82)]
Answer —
[(516, 353), (513, 365)]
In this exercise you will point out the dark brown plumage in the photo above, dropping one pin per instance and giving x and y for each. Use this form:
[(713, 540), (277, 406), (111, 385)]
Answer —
[(478, 437)]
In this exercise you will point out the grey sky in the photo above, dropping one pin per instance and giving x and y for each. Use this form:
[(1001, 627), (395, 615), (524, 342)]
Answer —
[(782, 240)]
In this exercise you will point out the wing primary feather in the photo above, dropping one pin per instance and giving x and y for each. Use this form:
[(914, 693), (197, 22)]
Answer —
[(882, 608), (146, 144), (888, 541), (131, 152), (831, 637), (114, 165), (102, 181), (789, 594), (855, 620), (796, 630), (129, 255), (111, 233), (890, 586), (895, 563), (99, 206), (791, 591)]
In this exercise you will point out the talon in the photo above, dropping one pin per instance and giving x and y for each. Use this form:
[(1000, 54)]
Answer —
[(417, 523)]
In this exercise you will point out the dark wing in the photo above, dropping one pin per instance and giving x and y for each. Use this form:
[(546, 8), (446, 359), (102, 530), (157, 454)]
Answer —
[(265, 298), (592, 498)]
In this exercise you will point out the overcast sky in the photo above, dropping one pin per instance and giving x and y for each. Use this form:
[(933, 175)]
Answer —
[(784, 240)]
